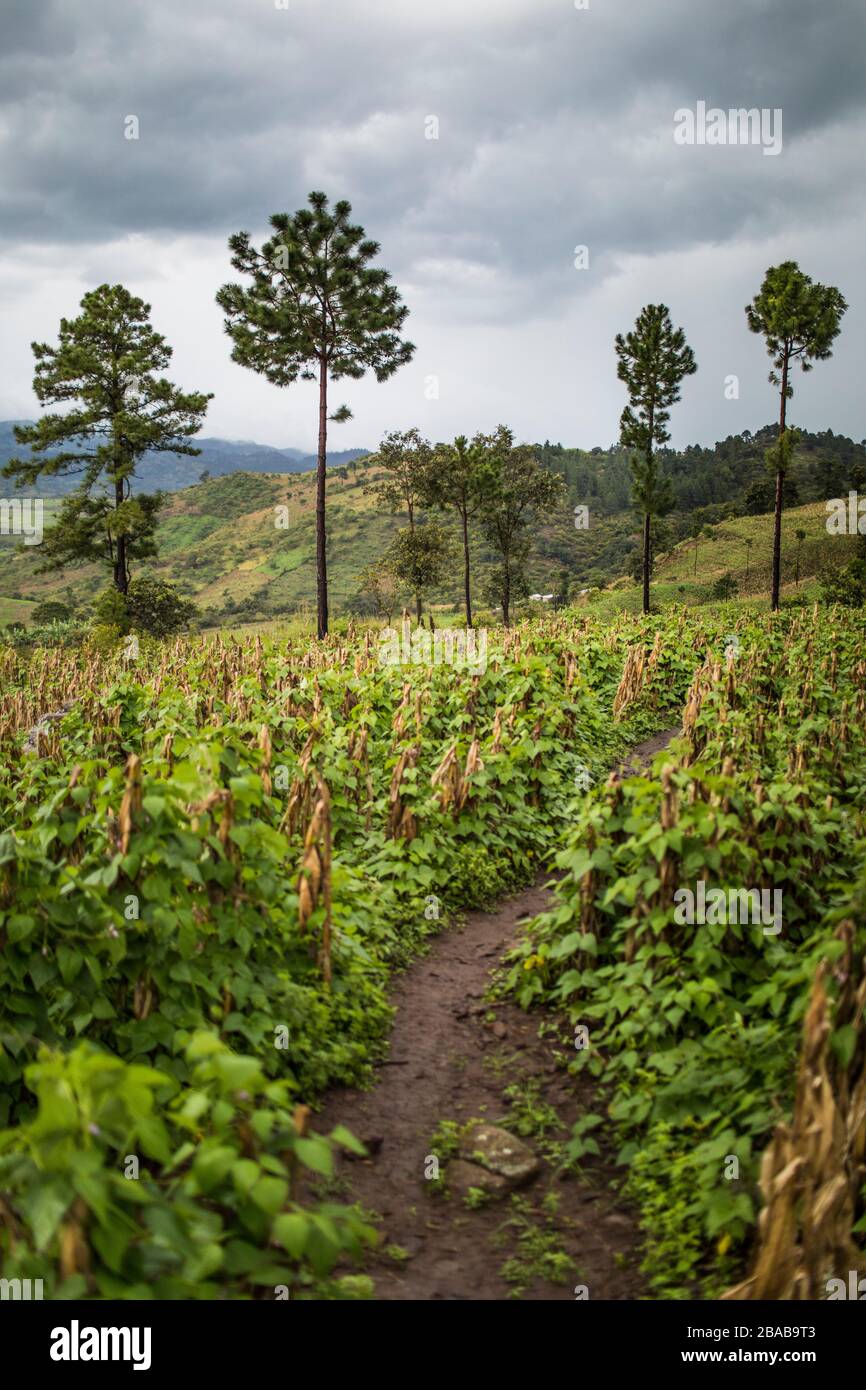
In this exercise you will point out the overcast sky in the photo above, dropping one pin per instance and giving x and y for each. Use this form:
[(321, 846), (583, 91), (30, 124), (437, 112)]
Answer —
[(555, 130)]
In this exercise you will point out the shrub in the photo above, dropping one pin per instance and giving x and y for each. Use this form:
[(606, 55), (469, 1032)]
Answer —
[(724, 588), (150, 606), (50, 612)]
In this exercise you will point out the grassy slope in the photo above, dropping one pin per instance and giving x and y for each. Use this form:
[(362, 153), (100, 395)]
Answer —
[(677, 580)]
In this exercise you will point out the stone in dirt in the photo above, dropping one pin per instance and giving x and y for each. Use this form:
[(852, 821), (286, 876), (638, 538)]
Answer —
[(499, 1152), (462, 1176)]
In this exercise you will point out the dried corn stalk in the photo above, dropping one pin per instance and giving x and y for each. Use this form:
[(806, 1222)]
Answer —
[(314, 880), (73, 1249), (267, 757), (705, 678), (813, 1169), (130, 806), (447, 778), (402, 824), (454, 782), (630, 684)]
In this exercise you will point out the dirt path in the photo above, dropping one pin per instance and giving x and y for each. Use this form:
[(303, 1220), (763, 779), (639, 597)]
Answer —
[(452, 1057)]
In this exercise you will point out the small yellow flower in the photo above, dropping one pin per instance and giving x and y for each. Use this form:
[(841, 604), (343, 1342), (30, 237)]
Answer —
[(724, 1244)]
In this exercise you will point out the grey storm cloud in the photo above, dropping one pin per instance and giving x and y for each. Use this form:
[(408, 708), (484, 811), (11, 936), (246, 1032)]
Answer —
[(555, 130), (553, 121)]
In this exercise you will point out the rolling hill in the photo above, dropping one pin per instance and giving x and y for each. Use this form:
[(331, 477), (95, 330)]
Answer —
[(221, 543), (171, 472)]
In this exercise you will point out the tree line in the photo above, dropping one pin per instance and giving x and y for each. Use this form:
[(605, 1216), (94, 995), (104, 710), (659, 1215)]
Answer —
[(316, 307)]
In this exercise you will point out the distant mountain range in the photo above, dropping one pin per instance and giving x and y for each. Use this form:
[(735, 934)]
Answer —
[(172, 472)]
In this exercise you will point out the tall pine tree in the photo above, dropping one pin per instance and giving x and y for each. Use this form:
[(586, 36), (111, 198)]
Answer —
[(799, 321), (653, 360), (317, 309), (108, 361)]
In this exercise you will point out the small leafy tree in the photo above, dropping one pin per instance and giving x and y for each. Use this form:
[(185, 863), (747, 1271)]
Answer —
[(516, 490), (381, 587), (109, 361), (846, 586), (406, 460), (50, 611), (799, 321), (652, 361), (317, 309), (158, 608), (725, 587), (404, 457), (458, 478), (420, 558)]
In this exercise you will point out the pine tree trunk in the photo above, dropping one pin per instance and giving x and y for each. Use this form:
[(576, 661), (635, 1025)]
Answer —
[(321, 534), (777, 521), (646, 520), (506, 596), (418, 601), (467, 593), (121, 578)]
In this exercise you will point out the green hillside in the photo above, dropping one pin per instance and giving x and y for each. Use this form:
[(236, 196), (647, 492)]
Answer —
[(221, 543)]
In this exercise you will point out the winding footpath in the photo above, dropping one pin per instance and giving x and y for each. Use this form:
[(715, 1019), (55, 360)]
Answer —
[(451, 1057)]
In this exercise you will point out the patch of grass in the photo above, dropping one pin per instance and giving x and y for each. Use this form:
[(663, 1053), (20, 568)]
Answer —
[(475, 1198), (538, 1250), (532, 1117), (396, 1253)]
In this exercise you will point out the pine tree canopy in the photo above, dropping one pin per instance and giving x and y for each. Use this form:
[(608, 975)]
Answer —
[(653, 360), (109, 362), (314, 294), (798, 318)]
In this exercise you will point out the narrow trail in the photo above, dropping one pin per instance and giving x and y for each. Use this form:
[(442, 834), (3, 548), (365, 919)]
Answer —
[(451, 1058)]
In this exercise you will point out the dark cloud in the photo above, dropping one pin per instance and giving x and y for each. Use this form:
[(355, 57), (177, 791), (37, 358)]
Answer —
[(550, 117), (555, 129)]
